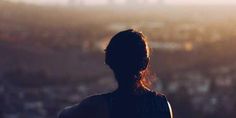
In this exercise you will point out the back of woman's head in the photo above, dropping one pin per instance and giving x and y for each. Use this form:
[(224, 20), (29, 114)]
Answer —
[(128, 53)]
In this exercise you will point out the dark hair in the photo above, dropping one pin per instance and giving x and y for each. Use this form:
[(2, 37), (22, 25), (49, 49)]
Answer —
[(128, 53)]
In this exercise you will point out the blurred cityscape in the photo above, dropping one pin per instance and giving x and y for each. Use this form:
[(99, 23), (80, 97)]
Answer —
[(52, 57)]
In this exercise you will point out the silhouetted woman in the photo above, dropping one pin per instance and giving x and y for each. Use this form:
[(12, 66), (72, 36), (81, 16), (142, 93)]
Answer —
[(127, 55)]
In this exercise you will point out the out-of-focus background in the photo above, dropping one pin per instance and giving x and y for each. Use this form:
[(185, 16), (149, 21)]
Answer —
[(51, 53)]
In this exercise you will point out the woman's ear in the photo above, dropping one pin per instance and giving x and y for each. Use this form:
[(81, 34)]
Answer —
[(107, 61), (145, 64)]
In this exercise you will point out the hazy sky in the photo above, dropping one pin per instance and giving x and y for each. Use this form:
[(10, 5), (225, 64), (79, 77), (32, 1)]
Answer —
[(166, 1)]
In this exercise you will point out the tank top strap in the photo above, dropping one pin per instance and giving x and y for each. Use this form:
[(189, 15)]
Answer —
[(159, 101), (109, 99), (162, 104)]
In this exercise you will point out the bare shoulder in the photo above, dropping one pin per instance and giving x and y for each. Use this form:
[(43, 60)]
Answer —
[(91, 106)]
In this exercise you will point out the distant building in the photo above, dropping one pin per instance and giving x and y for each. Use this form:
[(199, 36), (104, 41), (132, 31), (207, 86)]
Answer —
[(71, 2), (132, 1), (111, 1), (160, 2), (75, 2)]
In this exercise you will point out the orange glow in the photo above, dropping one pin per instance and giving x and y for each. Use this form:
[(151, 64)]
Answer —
[(188, 46)]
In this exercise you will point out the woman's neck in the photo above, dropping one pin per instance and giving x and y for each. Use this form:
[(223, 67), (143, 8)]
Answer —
[(130, 84)]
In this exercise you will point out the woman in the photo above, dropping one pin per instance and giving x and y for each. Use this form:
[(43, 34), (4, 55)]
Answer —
[(127, 55)]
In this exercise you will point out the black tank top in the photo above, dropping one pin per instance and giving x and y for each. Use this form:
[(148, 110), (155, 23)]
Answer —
[(146, 105)]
